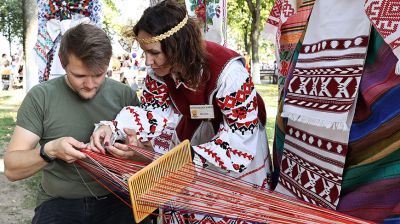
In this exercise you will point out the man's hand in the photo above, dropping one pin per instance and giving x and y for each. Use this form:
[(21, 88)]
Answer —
[(22, 158), (100, 137), (65, 148)]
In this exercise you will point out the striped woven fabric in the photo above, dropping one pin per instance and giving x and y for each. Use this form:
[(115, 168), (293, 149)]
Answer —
[(370, 187), (291, 28), (319, 102), (372, 176), (291, 32)]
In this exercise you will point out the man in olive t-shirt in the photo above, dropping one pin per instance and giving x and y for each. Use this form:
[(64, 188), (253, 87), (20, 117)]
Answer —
[(60, 115)]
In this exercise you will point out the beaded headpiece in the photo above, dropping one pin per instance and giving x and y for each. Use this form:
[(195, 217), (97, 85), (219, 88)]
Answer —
[(163, 35)]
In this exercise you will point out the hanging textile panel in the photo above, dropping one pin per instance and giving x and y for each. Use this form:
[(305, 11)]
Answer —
[(385, 16), (320, 101), (280, 12), (372, 175), (54, 18), (212, 14), (291, 32)]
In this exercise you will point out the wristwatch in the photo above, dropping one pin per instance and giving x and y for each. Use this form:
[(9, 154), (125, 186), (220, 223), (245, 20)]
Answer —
[(44, 156)]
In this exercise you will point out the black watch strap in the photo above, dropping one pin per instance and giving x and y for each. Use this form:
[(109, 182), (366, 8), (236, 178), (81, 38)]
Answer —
[(44, 156)]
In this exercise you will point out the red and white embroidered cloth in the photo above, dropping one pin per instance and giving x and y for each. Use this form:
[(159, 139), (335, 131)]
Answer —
[(320, 101), (212, 15), (385, 16), (280, 12), (329, 67), (239, 148)]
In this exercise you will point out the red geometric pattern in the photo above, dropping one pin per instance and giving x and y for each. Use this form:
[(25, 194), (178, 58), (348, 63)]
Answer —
[(309, 165), (155, 95), (235, 102), (236, 98), (287, 9), (281, 10), (327, 88), (385, 16), (334, 44), (213, 155), (330, 193), (317, 141), (243, 127), (274, 16), (347, 70), (304, 175), (320, 94), (324, 92), (163, 141), (229, 150)]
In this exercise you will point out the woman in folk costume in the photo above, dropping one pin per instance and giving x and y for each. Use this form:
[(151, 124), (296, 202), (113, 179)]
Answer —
[(195, 90)]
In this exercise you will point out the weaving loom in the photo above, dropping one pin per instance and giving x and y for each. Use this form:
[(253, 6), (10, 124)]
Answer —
[(173, 182)]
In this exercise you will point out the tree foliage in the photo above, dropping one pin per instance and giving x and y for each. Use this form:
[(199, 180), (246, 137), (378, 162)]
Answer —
[(246, 20), (11, 20), (240, 20), (110, 13)]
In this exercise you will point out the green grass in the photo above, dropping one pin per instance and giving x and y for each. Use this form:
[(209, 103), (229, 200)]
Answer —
[(269, 93), (9, 103), (31, 185)]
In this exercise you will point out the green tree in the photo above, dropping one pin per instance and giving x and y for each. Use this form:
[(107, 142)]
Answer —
[(110, 14), (247, 22), (239, 23), (11, 20)]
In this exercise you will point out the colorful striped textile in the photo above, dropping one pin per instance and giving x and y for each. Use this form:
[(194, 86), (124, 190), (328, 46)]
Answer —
[(370, 187), (372, 169), (280, 12), (291, 33), (319, 102), (371, 183)]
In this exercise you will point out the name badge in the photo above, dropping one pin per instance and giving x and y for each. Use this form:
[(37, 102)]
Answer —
[(201, 111)]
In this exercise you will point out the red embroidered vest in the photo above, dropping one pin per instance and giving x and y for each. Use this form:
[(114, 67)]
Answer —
[(218, 58)]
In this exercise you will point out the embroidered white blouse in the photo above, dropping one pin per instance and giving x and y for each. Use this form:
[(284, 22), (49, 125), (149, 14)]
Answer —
[(240, 146)]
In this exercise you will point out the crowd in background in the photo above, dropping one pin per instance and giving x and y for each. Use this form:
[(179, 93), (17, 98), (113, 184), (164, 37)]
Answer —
[(11, 71), (129, 69)]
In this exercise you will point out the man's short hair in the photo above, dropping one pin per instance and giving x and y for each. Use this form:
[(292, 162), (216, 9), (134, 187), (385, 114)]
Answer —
[(89, 43)]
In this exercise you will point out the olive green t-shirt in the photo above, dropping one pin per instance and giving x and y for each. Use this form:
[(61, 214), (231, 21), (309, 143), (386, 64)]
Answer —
[(52, 110)]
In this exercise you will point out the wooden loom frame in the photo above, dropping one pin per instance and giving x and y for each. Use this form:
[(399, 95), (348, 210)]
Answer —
[(150, 177)]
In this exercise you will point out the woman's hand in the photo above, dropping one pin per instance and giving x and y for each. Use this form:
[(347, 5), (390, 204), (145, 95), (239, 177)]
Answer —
[(131, 139), (101, 137), (124, 152)]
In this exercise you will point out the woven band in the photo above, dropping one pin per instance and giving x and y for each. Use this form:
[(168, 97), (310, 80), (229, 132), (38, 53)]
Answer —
[(164, 35)]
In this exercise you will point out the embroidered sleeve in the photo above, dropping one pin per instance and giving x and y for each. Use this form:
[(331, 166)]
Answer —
[(155, 120), (155, 97), (234, 146)]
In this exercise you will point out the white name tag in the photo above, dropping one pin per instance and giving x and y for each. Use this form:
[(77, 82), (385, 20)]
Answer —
[(201, 111)]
